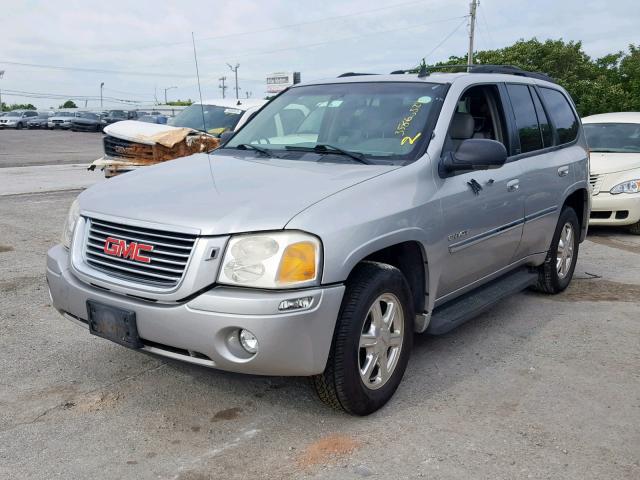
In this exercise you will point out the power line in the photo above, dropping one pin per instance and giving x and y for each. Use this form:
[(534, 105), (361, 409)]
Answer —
[(94, 70), (444, 40), (486, 26)]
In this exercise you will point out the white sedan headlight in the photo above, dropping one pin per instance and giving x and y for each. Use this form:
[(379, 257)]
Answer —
[(272, 260), (70, 223), (631, 186)]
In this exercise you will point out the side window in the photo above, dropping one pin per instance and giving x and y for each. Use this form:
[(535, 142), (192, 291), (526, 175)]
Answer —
[(561, 114), (545, 128), (526, 118)]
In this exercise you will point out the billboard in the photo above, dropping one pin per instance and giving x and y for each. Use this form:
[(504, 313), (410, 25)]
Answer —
[(276, 82)]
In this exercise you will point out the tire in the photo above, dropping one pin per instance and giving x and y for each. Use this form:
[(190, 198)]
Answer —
[(341, 385), (635, 228), (552, 278), (19, 126)]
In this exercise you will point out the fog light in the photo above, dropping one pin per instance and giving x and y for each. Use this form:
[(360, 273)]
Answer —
[(295, 304), (248, 341)]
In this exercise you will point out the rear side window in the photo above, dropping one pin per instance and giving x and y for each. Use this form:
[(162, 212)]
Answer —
[(526, 118), (545, 128), (561, 114)]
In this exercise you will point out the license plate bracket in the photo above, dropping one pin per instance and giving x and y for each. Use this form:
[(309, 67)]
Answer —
[(113, 323)]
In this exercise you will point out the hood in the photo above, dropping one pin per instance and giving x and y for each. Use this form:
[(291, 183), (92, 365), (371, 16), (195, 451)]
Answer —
[(604, 162), (11, 117), (140, 132), (221, 194)]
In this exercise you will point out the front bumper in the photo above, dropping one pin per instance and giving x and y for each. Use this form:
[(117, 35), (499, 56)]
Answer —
[(622, 209), (201, 330)]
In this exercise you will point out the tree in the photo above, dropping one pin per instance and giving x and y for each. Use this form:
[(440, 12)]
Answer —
[(68, 104), (607, 84), (180, 103), (17, 106)]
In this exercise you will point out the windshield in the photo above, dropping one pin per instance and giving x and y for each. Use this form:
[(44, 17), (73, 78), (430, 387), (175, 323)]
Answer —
[(65, 114), (15, 113), (117, 114), (613, 137), (90, 115), (43, 115), (217, 119), (377, 119)]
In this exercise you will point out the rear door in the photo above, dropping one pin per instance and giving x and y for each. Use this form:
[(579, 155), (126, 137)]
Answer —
[(547, 132)]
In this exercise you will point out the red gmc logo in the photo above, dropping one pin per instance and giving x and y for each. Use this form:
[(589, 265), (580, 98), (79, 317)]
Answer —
[(120, 248)]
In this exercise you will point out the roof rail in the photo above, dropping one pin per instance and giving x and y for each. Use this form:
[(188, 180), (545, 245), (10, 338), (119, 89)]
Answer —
[(485, 68), (354, 74)]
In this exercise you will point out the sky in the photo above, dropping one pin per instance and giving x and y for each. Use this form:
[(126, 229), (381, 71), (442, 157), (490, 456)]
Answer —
[(140, 48)]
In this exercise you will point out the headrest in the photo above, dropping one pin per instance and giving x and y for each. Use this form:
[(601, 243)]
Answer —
[(462, 126)]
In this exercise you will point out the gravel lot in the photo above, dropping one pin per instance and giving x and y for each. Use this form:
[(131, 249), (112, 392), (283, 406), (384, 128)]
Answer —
[(538, 387)]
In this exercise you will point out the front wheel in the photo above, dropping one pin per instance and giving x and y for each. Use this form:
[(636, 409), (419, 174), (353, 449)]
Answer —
[(372, 341), (555, 274), (635, 228), (19, 126)]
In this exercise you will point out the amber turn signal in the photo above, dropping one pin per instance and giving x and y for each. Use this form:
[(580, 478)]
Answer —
[(298, 263)]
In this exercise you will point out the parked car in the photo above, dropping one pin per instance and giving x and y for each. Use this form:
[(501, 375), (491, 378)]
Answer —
[(614, 142), (344, 217), (40, 121), (119, 115), (61, 120), (154, 117), (17, 118), (129, 145), (87, 122)]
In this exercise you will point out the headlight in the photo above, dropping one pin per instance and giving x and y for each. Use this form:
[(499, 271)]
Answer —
[(630, 186), (272, 260), (70, 224)]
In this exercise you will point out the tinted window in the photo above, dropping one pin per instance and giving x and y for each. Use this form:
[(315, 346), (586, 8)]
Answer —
[(526, 118), (543, 121), (561, 114)]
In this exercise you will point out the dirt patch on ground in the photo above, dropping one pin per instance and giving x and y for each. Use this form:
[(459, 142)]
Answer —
[(227, 414), (96, 402), (613, 242), (327, 449), (599, 290), (6, 248)]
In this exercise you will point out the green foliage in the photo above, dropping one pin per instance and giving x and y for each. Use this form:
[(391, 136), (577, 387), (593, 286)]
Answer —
[(180, 103), (607, 84), (68, 104), (16, 106)]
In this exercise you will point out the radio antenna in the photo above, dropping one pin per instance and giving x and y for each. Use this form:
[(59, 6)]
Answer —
[(195, 58)]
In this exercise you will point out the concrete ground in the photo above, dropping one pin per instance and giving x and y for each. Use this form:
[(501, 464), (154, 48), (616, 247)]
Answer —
[(19, 148), (544, 387)]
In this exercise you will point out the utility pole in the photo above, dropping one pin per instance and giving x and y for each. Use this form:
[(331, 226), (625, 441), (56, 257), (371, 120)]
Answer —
[(101, 87), (235, 71), (472, 27), (165, 94), (1, 75), (222, 86)]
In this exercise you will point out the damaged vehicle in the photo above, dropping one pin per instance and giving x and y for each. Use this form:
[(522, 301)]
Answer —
[(131, 144)]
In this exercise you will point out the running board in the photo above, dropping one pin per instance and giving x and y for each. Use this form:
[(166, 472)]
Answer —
[(456, 312)]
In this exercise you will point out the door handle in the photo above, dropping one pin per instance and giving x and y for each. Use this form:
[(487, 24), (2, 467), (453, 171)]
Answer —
[(563, 171), (513, 185)]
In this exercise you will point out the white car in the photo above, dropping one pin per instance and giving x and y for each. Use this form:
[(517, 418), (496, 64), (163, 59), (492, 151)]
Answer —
[(131, 144), (614, 142), (17, 118), (61, 120)]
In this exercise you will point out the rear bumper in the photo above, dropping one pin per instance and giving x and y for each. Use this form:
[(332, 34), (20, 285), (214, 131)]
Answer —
[(203, 330), (622, 209)]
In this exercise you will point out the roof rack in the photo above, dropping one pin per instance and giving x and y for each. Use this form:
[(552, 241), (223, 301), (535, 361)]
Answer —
[(354, 74), (485, 68)]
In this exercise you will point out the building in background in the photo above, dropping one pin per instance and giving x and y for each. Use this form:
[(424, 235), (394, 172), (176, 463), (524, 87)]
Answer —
[(276, 82)]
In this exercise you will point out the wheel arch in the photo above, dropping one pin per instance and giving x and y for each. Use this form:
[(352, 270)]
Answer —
[(579, 200)]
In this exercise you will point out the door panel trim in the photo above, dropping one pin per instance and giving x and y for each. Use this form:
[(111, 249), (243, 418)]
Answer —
[(456, 247), (540, 213)]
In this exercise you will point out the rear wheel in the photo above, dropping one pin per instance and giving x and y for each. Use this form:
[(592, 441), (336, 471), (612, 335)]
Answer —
[(555, 274), (19, 126), (372, 341)]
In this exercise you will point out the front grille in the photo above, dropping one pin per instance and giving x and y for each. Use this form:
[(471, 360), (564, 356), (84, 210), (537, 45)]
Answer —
[(118, 148), (596, 183), (168, 259)]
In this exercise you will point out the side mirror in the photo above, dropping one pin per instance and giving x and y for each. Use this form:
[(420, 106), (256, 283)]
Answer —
[(225, 137), (474, 154)]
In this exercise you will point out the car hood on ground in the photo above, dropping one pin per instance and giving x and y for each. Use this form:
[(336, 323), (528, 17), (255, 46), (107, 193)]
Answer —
[(222, 194), (605, 162), (140, 132)]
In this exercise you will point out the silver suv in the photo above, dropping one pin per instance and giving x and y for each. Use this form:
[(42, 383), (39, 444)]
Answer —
[(345, 217)]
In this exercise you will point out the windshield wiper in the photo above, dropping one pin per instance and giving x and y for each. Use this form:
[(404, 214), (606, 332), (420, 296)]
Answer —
[(249, 146), (324, 148)]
